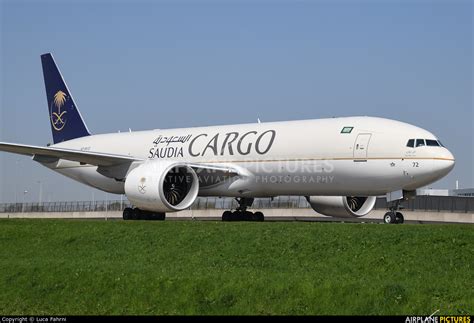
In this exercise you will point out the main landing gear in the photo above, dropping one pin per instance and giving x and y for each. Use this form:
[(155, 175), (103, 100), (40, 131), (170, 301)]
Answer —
[(137, 214), (393, 216), (241, 213)]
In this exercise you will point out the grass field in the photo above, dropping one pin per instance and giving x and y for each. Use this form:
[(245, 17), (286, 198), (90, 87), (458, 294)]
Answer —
[(173, 267)]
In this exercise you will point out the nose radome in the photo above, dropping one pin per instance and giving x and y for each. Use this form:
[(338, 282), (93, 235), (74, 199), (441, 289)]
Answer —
[(451, 156), (444, 162), (447, 155)]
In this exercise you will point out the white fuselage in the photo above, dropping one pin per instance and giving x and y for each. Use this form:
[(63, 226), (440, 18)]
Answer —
[(309, 157)]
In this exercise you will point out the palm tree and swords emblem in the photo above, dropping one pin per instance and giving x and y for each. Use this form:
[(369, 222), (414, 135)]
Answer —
[(58, 120)]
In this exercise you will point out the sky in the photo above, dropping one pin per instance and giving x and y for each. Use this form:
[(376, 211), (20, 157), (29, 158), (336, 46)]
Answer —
[(164, 64)]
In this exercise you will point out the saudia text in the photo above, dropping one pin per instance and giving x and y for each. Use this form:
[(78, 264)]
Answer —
[(231, 143)]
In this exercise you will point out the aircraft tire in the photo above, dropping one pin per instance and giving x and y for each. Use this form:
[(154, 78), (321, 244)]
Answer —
[(258, 216), (247, 216), (399, 219), (227, 216), (127, 214), (136, 214), (237, 216), (389, 218)]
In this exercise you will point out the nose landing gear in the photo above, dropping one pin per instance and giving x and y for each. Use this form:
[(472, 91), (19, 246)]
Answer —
[(393, 216)]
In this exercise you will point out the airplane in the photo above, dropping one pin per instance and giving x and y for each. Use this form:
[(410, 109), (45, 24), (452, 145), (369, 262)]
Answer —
[(339, 164)]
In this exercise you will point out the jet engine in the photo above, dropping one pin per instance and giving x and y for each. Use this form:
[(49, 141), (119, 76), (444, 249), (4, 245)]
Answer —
[(162, 186), (342, 206)]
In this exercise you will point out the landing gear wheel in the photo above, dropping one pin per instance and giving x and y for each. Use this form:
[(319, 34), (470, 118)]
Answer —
[(136, 214), (157, 216), (399, 219), (258, 216), (247, 216), (389, 218), (152, 216), (127, 213), (227, 216), (393, 216), (237, 216)]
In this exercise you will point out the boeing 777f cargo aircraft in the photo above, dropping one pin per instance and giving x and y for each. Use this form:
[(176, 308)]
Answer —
[(340, 165)]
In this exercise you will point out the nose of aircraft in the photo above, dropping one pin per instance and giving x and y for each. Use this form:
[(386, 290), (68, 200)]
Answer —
[(444, 162)]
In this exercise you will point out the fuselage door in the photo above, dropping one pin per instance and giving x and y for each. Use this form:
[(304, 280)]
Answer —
[(361, 145)]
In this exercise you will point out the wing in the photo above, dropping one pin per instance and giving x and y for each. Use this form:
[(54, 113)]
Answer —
[(86, 157), (112, 165)]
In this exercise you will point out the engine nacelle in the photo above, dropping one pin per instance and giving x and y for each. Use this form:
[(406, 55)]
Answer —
[(342, 206), (162, 186)]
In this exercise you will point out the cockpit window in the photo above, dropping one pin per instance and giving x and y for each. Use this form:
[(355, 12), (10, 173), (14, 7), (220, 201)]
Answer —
[(430, 142), (413, 143), (420, 142)]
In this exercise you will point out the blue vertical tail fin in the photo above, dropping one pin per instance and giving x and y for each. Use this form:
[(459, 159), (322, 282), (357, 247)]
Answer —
[(65, 118)]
